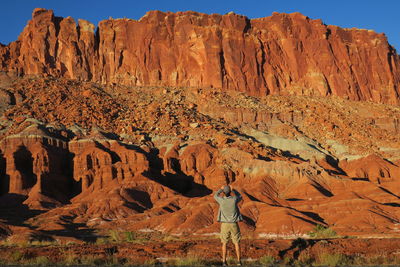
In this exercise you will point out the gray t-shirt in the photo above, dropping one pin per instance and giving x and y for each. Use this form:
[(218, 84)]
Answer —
[(228, 209)]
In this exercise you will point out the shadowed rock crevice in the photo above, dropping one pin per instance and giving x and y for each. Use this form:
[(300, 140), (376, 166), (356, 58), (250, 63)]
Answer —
[(24, 165), (14, 212), (4, 178), (140, 200), (176, 179), (322, 189)]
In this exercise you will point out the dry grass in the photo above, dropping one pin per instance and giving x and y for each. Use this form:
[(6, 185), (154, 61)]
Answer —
[(336, 259), (321, 231), (267, 260), (116, 236), (190, 261)]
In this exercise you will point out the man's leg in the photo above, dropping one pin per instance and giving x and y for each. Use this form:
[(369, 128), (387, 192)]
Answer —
[(236, 236), (223, 252), (237, 248), (224, 240)]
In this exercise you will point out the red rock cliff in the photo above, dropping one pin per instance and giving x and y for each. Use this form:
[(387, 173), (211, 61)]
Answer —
[(282, 54)]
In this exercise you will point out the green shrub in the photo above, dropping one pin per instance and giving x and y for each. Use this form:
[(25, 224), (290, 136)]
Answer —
[(231, 261), (41, 261), (114, 236), (17, 256), (103, 241), (189, 261), (130, 236), (169, 238), (288, 261), (149, 262), (321, 231), (305, 259), (113, 260), (334, 259), (92, 260), (267, 260), (382, 259), (43, 243), (70, 259)]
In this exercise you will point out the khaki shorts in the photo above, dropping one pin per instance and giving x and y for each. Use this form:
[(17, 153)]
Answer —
[(230, 230)]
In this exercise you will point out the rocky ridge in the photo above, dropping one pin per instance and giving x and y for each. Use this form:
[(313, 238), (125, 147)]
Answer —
[(140, 158), (284, 54), (84, 149)]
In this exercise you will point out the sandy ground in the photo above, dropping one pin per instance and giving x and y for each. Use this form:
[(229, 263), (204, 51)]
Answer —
[(140, 252)]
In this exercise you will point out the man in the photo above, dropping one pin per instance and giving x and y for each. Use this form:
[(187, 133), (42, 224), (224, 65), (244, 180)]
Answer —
[(229, 216)]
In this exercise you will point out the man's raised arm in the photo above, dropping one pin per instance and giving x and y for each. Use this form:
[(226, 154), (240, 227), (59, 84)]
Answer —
[(216, 195), (237, 194)]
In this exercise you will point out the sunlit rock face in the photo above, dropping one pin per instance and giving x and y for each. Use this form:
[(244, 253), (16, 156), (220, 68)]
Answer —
[(284, 54), (135, 124)]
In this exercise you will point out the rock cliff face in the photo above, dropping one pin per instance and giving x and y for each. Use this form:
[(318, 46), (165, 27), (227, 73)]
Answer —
[(140, 158), (284, 54), (222, 100)]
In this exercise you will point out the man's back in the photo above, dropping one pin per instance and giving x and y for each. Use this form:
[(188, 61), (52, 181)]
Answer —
[(229, 216), (228, 209)]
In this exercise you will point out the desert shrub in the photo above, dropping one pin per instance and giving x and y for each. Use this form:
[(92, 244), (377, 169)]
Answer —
[(70, 259), (305, 259), (149, 262), (103, 240), (113, 260), (360, 260), (395, 260), (382, 259), (6, 243), (169, 238), (287, 261), (40, 261), (375, 260), (231, 261), (100, 260), (17, 256), (189, 261), (114, 236), (23, 244), (267, 260), (130, 236), (321, 231), (92, 260), (334, 259), (42, 243)]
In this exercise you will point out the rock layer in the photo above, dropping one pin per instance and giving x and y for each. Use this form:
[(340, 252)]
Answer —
[(284, 54), (78, 156), (149, 158)]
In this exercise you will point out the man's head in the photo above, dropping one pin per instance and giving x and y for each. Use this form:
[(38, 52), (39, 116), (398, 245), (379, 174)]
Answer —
[(227, 190)]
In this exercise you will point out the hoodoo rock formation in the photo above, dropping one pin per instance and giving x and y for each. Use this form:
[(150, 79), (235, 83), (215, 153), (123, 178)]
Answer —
[(285, 54), (134, 124)]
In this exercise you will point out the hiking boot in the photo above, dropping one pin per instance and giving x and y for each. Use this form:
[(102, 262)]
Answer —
[(239, 263), (224, 263)]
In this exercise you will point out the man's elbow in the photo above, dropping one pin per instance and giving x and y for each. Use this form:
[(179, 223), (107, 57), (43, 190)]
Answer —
[(216, 195)]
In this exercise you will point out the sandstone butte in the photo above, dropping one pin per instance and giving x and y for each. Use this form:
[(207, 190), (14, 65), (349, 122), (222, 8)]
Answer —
[(132, 126), (284, 54)]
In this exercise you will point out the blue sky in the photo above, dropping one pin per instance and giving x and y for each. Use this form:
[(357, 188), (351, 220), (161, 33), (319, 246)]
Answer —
[(379, 15)]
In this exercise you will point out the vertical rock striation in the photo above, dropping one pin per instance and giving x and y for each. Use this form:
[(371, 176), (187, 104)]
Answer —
[(284, 54)]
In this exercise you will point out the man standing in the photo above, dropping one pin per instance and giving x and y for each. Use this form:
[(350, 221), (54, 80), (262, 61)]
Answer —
[(229, 216)]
